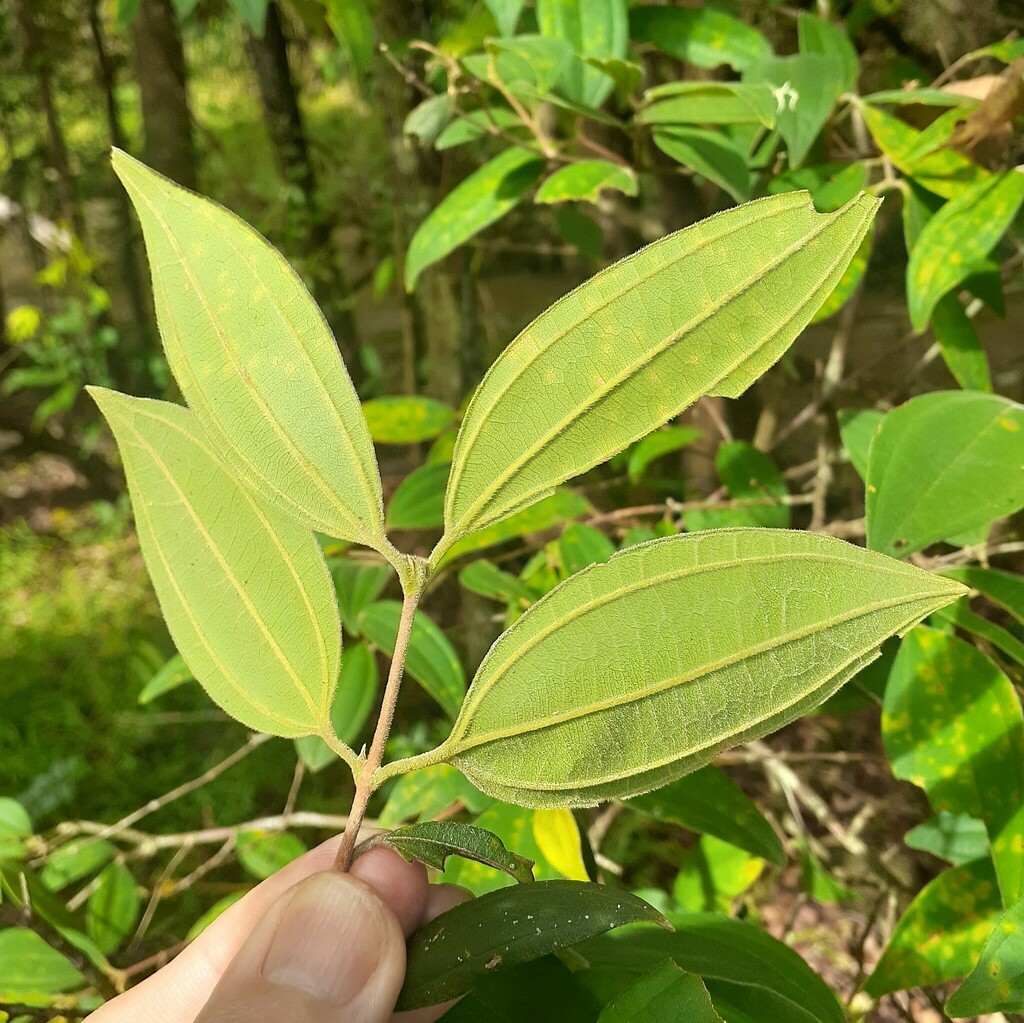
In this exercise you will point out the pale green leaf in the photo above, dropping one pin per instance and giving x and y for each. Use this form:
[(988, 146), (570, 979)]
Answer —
[(428, 119), (262, 853), (15, 825), (957, 838), (709, 103), (357, 584), (527, 62), (940, 936), (484, 197), (584, 181), (31, 972), (952, 725), (925, 97), (431, 659), (506, 14), (256, 361), (113, 908), (252, 14), (173, 673), (357, 692), (639, 342), (406, 419), (727, 635), (710, 154), (77, 859), (702, 35), (713, 875), (243, 586), (957, 238), (857, 428), (665, 995), (920, 491), (997, 982), (594, 28), (485, 578)]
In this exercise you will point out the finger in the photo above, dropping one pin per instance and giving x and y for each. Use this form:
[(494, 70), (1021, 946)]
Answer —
[(440, 898), (402, 885), (330, 950)]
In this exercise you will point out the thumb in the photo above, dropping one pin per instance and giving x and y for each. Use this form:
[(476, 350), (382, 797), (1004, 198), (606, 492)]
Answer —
[(329, 950)]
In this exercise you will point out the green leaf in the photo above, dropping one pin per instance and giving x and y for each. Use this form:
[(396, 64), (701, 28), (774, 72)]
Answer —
[(594, 28), (945, 172), (713, 875), (357, 585), (113, 908), (357, 691), (506, 14), (432, 842), (848, 283), (484, 197), (806, 86), (997, 982), (252, 14), (710, 803), (704, 36), (710, 154), (817, 882), (831, 41), (939, 937), (750, 975), (427, 119), (418, 501), (1002, 588), (124, 13), (582, 546), (561, 506), (507, 927), (857, 429), (645, 358), (658, 444), (77, 859), (15, 824), (750, 475), (256, 361), (475, 124), (485, 578), (242, 586), (957, 838), (431, 659), (542, 991), (527, 62), (406, 419), (959, 345), (584, 181), (924, 97), (626, 74), (919, 492), (957, 238), (709, 103), (428, 792), (213, 912), (173, 673), (804, 612), (31, 972), (960, 614), (665, 995), (262, 853), (352, 25), (952, 725)]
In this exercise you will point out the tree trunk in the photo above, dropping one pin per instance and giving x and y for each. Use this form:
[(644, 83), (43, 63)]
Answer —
[(140, 329), (160, 71), (279, 96)]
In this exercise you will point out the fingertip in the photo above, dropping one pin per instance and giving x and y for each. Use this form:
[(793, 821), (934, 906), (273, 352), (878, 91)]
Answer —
[(400, 884), (442, 897)]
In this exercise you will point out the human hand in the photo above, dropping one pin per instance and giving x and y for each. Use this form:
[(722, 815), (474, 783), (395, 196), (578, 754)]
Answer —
[(308, 945)]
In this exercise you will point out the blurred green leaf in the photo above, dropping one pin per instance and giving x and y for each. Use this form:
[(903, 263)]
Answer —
[(357, 584), (710, 154), (262, 853), (423, 794), (920, 491), (585, 180), (428, 119), (418, 501), (213, 912), (665, 995), (173, 673), (113, 908), (960, 614), (485, 578), (406, 419), (15, 825), (658, 444), (252, 14), (582, 546), (849, 282), (940, 936), (1003, 588), (831, 41), (703, 35), (959, 345), (857, 428), (713, 874), (709, 103), (955, 837), (997, 983), (525, 62), (506, 14), (750, 475), (77, 859), (475, 124), (31, 972)]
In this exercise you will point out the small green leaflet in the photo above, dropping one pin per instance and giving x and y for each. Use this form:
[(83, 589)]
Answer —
[(646, 359), (952, 725), (243, 587), (857, 428), (507, 927), (657, 445), (484, 197), (802, 612), (173, 673), (939, 936), (15, 825), (418, 501), (819, 36), (113, 908), (955, 837), (476, 124), (31, 972), (262, 853), (997, 982), (431, 659), (920, 491), (665, 995), (75, 860), (959, 237), (709, 802), (958, 343), (432, 842), (750, 475), (582, 546), (485, 578), (406, 419), (256, 360), (584, 181)]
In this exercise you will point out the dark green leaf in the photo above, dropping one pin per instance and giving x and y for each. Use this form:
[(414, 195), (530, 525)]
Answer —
[(710, 154), (997, 982), (959, 345), (507, 927), (485, 578), (709, 802), (582, 546), (358, 584), (818, 36), (665, 995), (418, 501), (476, 124), (432, 842), (956, 838), (960, 614), (1002, 588), (750, 475), (940, 936)]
